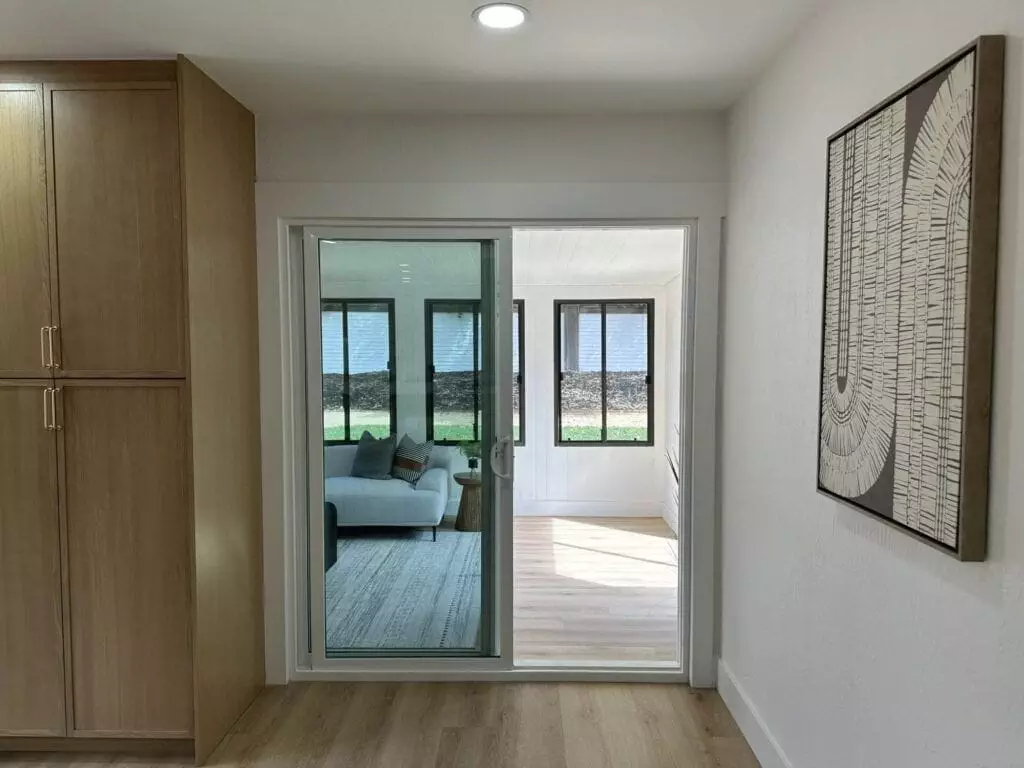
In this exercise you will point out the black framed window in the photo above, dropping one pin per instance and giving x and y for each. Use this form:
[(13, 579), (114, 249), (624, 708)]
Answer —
[(454, 360), (604, 372), (357, 339), (518, 372)]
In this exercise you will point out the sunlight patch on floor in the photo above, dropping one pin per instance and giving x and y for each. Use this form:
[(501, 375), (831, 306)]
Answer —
[(611, 557)]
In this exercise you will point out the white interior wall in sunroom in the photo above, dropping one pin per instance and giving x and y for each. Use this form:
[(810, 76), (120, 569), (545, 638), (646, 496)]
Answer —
[(582, 264)]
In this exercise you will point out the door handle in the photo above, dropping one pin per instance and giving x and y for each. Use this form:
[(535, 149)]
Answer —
[(501, 456), (46, 416)]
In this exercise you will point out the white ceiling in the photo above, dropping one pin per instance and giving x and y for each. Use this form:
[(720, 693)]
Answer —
[(428, 55), (396, 265), (597, 256)]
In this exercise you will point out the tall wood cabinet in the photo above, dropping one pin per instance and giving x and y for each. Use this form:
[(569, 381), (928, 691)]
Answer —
[(130, 552)]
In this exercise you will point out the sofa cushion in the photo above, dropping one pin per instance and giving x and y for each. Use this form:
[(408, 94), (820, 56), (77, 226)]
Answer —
[(361, 501), (374, 457), (411, 459)]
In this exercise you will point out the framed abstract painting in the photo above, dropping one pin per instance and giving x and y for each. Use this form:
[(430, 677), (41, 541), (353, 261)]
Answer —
[(911, 232)]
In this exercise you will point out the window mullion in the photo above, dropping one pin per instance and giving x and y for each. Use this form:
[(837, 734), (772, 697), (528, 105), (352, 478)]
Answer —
[(392, 371), (604, 372), (346, 394), (476, 373)]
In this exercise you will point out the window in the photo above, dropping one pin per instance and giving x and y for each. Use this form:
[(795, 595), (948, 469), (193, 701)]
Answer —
[(518, 368), (604, 352), (358, 353), (453, 370)]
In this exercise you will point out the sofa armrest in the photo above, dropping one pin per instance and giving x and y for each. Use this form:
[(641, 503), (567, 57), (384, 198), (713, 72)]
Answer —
[(435, 480)]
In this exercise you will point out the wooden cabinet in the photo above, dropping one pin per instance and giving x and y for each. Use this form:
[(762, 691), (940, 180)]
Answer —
[(24, 254), (32, 692), (128, 557), (118, 230), (130, 547)]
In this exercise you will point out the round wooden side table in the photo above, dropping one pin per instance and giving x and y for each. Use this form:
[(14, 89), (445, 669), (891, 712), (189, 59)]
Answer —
[(469, 505)]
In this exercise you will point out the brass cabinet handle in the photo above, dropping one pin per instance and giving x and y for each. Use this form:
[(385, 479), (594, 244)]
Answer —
[(46, 416), (53, 408)]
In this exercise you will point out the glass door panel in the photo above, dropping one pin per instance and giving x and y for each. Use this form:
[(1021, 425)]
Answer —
[(404, 397)]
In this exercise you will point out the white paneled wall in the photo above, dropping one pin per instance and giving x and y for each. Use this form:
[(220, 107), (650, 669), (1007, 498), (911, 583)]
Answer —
[(670, 416), (594, 481)]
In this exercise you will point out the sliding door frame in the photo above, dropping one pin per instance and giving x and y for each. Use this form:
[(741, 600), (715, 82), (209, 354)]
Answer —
[(698, 495)]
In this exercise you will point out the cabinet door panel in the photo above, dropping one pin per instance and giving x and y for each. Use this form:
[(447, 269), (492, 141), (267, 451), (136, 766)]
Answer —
[(118, 222), (31, 640), (129, 558), (24, 250)]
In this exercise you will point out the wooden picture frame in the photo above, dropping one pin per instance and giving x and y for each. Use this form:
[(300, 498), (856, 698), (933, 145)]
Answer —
[(908, 310)]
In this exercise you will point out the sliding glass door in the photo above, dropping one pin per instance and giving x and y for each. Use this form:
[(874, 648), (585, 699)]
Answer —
[(409, 373)]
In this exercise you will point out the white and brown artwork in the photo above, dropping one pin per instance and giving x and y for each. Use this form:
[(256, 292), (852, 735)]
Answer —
[(910, 257)]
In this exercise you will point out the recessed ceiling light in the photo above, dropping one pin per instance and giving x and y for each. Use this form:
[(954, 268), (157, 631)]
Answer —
[(500, 15)]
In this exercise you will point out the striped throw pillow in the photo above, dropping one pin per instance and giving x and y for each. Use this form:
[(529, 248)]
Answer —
[(411, 459)]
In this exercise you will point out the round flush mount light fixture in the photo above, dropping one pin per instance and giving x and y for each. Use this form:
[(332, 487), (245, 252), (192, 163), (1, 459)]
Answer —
[(500, 15)]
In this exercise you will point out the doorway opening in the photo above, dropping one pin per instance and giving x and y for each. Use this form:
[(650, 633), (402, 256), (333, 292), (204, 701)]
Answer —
[(599, 387), (496, 443)]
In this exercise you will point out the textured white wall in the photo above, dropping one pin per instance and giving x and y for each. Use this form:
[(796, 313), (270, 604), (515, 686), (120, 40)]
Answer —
[(855, 645)]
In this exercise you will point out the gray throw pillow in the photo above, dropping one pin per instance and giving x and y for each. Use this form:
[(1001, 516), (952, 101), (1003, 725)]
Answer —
[(374, 457)]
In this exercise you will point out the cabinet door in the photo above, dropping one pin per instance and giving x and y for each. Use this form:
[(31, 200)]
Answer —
[(129, 557), (24, 250), (118, 222), (31, 640)]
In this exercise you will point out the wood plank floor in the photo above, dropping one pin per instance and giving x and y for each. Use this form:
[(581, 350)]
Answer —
[(595, 589), (468, 725)]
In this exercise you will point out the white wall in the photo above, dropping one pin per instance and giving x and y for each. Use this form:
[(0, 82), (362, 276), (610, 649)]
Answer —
[(855, 645), (609, 481), (655, 148), (322, 170)]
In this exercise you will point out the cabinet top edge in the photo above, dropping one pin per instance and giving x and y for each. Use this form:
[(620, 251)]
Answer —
[(70, 71)]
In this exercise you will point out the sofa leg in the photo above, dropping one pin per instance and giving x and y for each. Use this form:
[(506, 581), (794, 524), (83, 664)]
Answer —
[(435, 533)]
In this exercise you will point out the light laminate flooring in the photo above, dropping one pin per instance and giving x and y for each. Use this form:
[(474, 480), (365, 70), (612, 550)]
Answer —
[(467, 725), (595, 589)]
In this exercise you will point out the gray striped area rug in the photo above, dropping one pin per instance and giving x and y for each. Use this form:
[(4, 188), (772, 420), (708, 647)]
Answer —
[(395, 588)]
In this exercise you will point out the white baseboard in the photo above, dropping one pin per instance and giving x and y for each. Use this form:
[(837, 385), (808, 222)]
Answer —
[(535, 508), (761, 740), (671, 517)]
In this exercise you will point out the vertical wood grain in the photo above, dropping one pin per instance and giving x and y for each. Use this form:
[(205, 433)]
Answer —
[(24, 258), (31, 644), (117, 201), (218, 162), (128, 552)]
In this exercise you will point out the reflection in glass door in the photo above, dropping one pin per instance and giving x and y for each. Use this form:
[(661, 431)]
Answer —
[(405, 402)]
